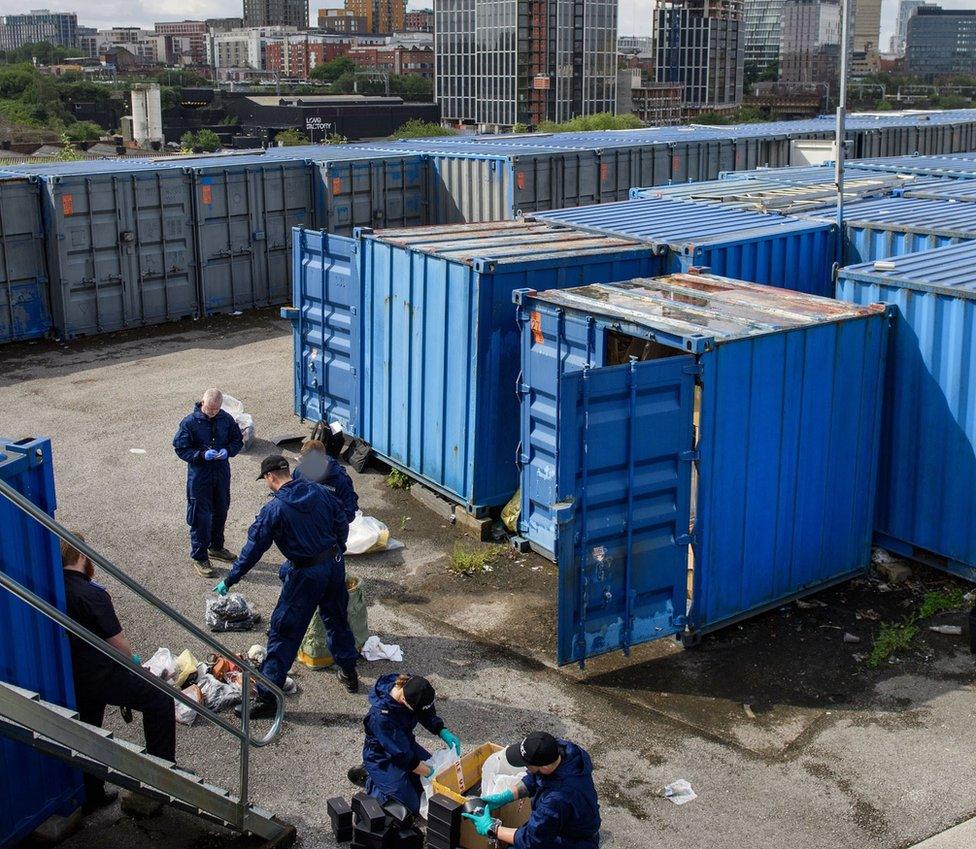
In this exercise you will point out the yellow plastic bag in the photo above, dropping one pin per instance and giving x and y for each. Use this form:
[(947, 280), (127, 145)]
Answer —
[(186, 665), (511, 511)]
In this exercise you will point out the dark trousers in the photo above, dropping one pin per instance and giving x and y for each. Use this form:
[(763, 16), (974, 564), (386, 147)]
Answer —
[(307, 589), (121, 688), (207, 505)]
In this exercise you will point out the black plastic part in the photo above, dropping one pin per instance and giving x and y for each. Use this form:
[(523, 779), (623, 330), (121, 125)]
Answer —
[(340, 814), (369, 813), (400, 814), (435, 841), (444, 820), (408, 838), (342, 835), (372, 839)]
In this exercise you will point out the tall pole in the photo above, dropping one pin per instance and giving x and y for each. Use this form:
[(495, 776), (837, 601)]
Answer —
[(845, 9)]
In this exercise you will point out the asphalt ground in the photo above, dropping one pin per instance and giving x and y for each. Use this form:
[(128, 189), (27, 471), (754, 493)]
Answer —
[(785, 732)]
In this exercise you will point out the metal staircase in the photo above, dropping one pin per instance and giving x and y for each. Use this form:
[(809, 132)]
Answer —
[(58, 732)]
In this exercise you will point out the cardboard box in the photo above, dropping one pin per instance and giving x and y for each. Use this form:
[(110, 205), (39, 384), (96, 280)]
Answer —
[(456, 781)]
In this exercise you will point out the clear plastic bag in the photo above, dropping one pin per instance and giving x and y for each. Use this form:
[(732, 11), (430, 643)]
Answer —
[(498, 775), (186, 715), (244, 421), (163, 665), (441, 759), (230, 613)]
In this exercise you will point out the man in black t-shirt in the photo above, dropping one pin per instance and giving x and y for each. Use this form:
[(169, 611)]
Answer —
[(99, 680)]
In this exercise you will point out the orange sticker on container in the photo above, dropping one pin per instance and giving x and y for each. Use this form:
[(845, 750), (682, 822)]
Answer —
[(459, 772), (337, 185), (206, 194), (535, 322), (68, 204), (604, 173), (520, 179)]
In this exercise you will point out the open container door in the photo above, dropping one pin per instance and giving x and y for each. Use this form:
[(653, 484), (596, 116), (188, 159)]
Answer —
[(622, 546)]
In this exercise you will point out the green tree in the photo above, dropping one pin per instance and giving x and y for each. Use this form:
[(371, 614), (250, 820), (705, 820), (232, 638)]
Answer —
[(521, 128), (208, 140), (83, 131), (188, 141), (598, 121), (291, 138), (67, 153), (412, 88), (331, 71), (344, 84), (884, 106), (417, 129)]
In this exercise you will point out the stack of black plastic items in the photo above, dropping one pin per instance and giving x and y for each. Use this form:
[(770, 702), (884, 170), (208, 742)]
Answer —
[(370, 825), (444, 822)]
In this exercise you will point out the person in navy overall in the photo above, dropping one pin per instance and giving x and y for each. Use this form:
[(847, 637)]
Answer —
[(205, 441), (565, 810), (393, 760), (319, 465), (310, 529)]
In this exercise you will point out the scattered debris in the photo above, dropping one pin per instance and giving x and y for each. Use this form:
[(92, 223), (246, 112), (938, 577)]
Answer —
[(868, 614), (895, 571), (749, 712), (680, 792), (952, 630), (809, 604), (137, 450), (373, 649), (851, 638)]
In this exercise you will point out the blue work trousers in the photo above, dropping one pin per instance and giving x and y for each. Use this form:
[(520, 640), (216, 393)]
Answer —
[(207, 504), (307, 589), (388, 783)]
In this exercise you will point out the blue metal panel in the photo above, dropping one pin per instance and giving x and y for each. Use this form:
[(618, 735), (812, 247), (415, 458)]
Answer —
[(931, 166), (622, 539), (33, 650), (788, 441), (324, 315), (24, 288), (963, 191), (926, 498), (440, 343), (773, 249)]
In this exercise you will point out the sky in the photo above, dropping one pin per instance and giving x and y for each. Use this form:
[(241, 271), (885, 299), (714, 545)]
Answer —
[(635, 15)]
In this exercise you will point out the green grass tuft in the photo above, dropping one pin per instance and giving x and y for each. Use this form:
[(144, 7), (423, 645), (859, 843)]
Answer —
[(892, 638), (468, 559), (398, 480), (940, 601)]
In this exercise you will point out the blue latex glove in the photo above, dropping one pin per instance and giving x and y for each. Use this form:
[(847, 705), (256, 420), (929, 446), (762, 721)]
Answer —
[(221, 589), (137, 660), (483, 823), (497, 800), (210, 454), (222, 454), (451, 740)]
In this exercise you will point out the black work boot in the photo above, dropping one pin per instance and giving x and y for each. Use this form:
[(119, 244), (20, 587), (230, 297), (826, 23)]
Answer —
[(349, 679), (222, 554), (260, 709)]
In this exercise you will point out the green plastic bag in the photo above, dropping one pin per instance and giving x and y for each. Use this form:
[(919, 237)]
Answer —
[(314, 651), (511, 511)]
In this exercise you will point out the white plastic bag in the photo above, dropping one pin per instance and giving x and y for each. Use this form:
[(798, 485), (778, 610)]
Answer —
[(680, 792), (498, 775), (244, 421), (368, 534), (162, 664), (439, 760), (184, 713)]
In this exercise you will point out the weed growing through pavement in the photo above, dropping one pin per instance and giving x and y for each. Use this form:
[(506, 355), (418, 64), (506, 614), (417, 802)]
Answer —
[(468, 559), (940, 601), (892, 638), (398, 480)]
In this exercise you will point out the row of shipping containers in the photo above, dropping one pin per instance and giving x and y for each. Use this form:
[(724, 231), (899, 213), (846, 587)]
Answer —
[(95, 246)]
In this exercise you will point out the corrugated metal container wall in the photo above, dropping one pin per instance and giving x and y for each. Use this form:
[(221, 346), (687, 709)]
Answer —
[(376, 191), (963, 191), (889, 227), (24, 303), (772, 396), (120, 247), (432, 344), (926, 498), (773, 249), (33, 650), (925, 166), (245, 209), (471, 188)]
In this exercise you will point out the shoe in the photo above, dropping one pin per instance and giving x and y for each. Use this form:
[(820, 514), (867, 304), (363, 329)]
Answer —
[(349, 679), (222, 554), (260, 709), (358, 775), (203, 568), (97, 802)]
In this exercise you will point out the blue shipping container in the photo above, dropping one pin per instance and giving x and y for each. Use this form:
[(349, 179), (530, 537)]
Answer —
[(33, 650), (408, 337), (954, 167), (926, 494), (774, 249), (772, 396), (890, 227), (24, 293)]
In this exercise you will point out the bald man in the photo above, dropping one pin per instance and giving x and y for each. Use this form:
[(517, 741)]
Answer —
[(205, 441)]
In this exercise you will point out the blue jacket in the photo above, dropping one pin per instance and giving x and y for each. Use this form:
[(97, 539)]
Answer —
[(565, 810), (389, 728), (329, 472), (301, 518), (197, 434)]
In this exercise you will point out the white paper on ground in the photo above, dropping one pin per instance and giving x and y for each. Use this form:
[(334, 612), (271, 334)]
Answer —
[(373, 649), (680, 792)]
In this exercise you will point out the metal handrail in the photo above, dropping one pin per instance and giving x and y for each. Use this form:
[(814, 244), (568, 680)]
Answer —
[(66, 622)]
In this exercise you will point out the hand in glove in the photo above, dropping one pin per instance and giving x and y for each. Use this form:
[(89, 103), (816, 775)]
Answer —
[(137, 660), (498, 800), (221, 589), (222, 454), (451, 741), (210, 454), (485, 824)]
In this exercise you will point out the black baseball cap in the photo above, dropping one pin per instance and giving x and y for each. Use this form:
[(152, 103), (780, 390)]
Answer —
[(419, 693), (274, 463), (538, 749)]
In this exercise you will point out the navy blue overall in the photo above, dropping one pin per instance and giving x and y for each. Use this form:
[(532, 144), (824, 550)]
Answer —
[(207, 481), (391, 752), (326, 470), (305, 522)]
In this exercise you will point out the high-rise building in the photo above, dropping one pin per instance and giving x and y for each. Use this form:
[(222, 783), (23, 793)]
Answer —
[(941, 41), (274, 13), (906, 8), (382, 16), (341, 21), (502, 62), (698, 44), (809, 47), (87, 41), (866, 55), (195, 33), (419, 20), (762, 27), (58, 28)]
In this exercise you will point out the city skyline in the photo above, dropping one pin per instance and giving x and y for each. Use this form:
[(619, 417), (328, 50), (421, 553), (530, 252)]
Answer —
[(634, 15)]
